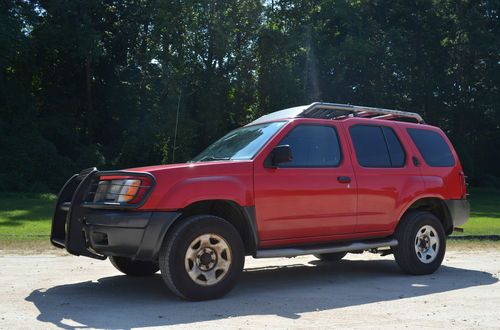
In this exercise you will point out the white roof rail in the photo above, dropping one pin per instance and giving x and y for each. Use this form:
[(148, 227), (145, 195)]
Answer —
[(321, 110), (337, 111)]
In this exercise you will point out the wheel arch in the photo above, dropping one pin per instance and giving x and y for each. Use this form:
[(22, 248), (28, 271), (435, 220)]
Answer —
[(241, 217), (436, 206)]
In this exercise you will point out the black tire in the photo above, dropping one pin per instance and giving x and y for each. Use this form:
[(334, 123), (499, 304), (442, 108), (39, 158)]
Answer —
[(405, 253), (174, 262), (134, 268), (331, 257)]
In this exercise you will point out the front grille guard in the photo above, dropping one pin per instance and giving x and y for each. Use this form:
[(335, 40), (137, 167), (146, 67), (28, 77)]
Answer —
[(74, 203)]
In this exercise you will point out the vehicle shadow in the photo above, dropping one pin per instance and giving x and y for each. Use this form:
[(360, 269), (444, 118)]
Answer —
[(125, 302)]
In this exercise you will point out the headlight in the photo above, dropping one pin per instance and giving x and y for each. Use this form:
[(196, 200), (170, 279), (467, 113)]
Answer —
[(121, 191)]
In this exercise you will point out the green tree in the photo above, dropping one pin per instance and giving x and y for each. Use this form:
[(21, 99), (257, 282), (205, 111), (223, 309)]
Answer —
[(121, 84)]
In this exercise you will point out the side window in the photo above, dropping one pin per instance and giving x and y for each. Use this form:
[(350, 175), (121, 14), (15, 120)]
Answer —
[(432, 146), (396, 151), (377, 146), (313, 146)]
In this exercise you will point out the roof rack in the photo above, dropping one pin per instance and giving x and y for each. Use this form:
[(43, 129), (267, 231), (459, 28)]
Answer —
[(338, 111), (323, 110)]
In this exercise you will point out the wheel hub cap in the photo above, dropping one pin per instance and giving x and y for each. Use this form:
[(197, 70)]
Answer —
[(208, 259), (427, 244)]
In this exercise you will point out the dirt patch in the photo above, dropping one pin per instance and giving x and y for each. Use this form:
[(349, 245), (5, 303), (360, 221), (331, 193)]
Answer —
[(28, 247), (362, 291)]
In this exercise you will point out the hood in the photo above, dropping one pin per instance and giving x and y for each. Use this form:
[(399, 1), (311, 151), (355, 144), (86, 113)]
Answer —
[(191, 167), (178, 185)]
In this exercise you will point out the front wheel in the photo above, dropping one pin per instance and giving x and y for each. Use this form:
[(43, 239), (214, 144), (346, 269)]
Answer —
[(202, 258), (421, 243)]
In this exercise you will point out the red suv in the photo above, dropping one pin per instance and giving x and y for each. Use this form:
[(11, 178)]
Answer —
[(323, 179)]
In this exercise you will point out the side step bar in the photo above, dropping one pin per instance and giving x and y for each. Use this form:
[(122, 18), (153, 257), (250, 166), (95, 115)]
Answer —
[(332, 248)]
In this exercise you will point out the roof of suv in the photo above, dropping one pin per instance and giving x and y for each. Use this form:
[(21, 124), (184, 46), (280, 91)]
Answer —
[(321, 110)]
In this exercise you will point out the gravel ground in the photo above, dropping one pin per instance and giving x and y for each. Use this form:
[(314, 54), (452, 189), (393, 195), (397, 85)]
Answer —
[(364, 291)]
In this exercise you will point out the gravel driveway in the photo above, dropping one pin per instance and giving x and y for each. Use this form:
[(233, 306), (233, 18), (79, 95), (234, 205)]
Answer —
[(49, 291)]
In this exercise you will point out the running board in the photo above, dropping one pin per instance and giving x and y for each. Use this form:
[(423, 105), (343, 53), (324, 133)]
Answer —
[(332, 248)]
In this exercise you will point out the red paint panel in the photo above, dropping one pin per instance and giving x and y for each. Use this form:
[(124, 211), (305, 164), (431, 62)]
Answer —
[(383, 192), (179, 185), (304, 202), (309, 205)]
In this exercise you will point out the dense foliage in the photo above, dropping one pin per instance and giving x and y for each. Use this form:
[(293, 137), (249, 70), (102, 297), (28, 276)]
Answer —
[(100, 82)]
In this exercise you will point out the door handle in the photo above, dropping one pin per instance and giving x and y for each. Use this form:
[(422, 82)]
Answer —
[(343, 179)]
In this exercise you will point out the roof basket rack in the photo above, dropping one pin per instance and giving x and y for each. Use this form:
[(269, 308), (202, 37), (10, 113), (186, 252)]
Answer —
[(338, 111)]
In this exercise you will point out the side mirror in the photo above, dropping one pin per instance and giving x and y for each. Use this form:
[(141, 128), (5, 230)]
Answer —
[(281, 154)]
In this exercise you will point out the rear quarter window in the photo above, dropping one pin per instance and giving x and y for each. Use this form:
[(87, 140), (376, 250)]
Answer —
[(432, 147)]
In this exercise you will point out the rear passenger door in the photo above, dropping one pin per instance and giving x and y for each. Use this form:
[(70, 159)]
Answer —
[(385, 174)]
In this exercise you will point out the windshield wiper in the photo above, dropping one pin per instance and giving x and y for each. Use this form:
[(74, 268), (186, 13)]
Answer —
[(210, 158)]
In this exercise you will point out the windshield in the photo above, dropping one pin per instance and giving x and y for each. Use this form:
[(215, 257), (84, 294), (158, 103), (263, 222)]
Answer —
[(240, 144)]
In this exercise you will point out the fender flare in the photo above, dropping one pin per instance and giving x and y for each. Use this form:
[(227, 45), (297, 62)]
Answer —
[(447, 221)]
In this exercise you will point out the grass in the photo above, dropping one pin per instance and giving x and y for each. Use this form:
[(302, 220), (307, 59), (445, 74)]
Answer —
[(485, 213), (27, 217)]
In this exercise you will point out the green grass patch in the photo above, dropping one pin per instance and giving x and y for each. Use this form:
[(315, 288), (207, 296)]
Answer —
[(28, 216), (485, 213), (25, 215)]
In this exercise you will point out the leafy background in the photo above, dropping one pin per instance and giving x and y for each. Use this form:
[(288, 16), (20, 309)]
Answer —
[(99, 83)]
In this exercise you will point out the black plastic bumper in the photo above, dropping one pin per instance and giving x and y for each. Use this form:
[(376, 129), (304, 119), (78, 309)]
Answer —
[(86, 229), (459, 211), (138, 235)]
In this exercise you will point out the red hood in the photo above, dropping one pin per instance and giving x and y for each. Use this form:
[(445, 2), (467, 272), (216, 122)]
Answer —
[(158, 168), (155, 168), (178, 185)]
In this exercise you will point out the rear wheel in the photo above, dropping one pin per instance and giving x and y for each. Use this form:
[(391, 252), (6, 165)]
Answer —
[(202, 258), (331, 257), (134, 267), (421, 243)]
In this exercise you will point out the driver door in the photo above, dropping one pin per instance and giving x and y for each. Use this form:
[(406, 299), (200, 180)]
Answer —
[(314, 195)]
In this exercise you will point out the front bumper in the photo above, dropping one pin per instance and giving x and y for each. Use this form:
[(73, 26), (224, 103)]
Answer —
[(87, 229), (459, 211), (137, 235)]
